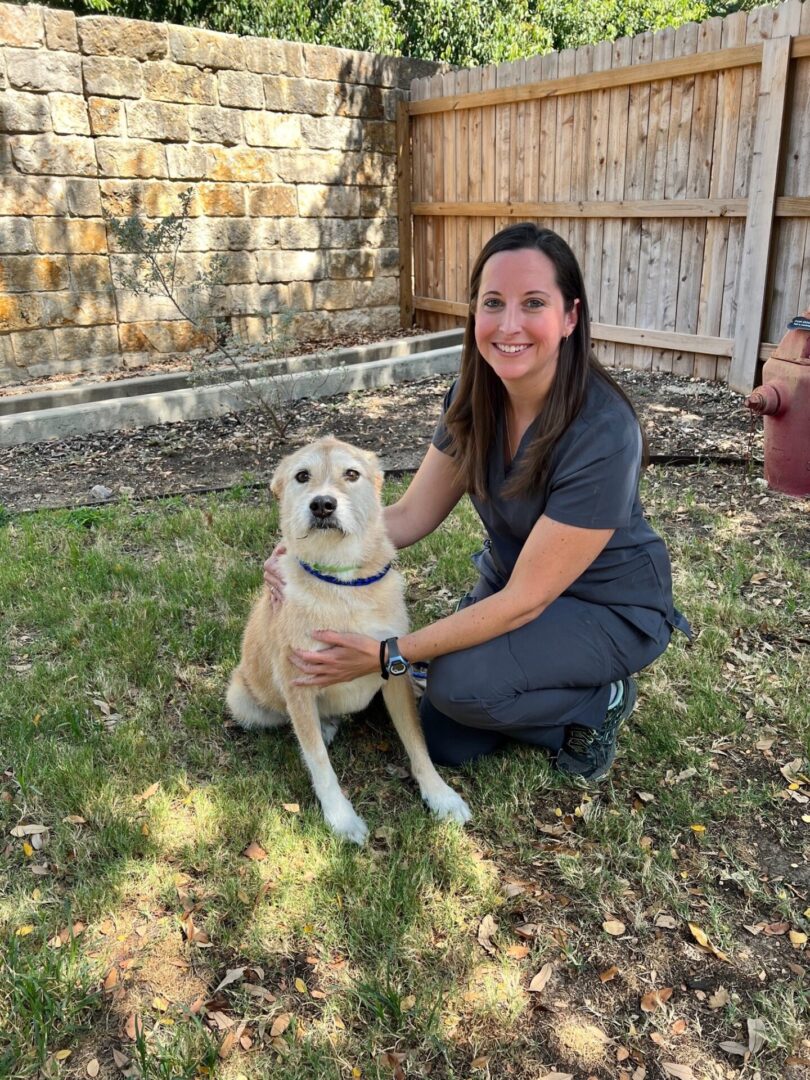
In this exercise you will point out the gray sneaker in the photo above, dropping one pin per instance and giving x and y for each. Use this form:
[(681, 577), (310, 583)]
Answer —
[(588, 753)]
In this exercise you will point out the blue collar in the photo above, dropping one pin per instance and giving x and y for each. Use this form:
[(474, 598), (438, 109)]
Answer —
[(338, 581)]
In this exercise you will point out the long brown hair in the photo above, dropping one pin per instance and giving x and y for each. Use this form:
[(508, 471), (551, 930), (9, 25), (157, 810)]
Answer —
[(472, 417)]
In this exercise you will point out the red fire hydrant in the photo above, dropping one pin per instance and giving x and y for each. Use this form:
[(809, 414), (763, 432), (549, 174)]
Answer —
[(784, 401)]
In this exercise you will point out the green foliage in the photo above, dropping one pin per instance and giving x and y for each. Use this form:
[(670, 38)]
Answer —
[(461, 32)]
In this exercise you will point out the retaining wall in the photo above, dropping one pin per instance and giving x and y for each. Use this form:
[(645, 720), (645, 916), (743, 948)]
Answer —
[(289, 150)]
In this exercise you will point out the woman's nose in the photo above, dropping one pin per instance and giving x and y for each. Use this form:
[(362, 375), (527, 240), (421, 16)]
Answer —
[(510, 319)]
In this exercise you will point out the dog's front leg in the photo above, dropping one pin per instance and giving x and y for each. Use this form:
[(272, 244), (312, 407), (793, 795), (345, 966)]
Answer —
[(337, 809), (440, 797)]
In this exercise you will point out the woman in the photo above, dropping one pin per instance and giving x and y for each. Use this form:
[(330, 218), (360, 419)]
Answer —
[(574, 593)]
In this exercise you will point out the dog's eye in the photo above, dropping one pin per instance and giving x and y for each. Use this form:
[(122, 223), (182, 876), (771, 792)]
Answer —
[(302, 476), (352, 474)]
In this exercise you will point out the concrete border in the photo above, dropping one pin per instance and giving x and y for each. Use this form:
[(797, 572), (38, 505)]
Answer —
[(152, 400)]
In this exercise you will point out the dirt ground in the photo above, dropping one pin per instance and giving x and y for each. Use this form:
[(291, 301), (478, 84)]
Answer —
[(683, 418)]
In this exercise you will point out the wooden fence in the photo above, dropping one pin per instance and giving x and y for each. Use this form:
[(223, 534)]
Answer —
[(676, 164)]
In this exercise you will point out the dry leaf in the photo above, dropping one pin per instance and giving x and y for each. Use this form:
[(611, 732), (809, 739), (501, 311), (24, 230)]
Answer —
[(540, 980), (679, 1027), (687, 774), (227, 1045), (110, 979), (255, 851), (719, 998), (479, 1063), (487, 927), (121, 1060), (301, 986), (74, 819), (280, 1025), (150, 791), (656, 998), (93, 1067), (678, 1072), (646, 796), (28, 830), (291, 807), (527, 930), (517, 952), (160, 1004), (757, 1035), (132, 1026), (792, 770), (797, 938), (622, 1054), (232, 975), (702, 939), (736, 1048), (557, 1076), (611, 973), (775, 929), (666, 922), (614, 927)]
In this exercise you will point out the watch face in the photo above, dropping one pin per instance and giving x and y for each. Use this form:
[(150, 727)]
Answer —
[(398, 666)]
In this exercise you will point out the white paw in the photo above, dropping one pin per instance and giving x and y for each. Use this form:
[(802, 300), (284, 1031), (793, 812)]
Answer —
[(329, 729), (446, 803), (344, 822)]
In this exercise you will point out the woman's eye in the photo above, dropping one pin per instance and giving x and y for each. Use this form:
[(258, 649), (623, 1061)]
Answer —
[(302, 476), (491, 304), (534, 304), (352, 474)]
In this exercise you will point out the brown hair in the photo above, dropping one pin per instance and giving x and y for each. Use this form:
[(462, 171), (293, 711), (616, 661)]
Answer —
[(472, 417)]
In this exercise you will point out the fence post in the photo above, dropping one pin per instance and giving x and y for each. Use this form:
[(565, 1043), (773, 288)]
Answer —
[(765, 160), (404, 178)]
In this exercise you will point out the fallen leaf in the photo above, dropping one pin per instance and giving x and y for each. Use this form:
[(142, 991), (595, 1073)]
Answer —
[(517, 952), (160, 1004), (132, 1026), (479, 1063), (735, 1048), (646, 796), (110, 979), (74, 819), (301, 986), (280, 1025), (666, 922), (24, 931), (526, 930), (232, 975), (28, 830), (486, 928), (611, 973), (557, 1076), (93, 1067), (538, 983), (792, 770), (255, 851), (614, 927), (656, 998), (698, 828), (622, 1054), (775, 929), (679, 1072), (719, 998), (291, 807), (797, 938), (679, 1027), (757, 1034), (687, 774), (121, 1060), (702, 939), (227, 1045), (150, 791)]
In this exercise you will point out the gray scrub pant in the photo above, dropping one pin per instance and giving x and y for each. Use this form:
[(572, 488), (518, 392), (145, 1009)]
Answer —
[(529, 685)]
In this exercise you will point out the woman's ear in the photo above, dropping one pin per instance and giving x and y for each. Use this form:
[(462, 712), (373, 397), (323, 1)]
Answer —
[(572, 318)]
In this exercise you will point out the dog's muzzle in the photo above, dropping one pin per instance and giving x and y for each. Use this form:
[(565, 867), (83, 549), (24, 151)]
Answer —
[(322, 508)]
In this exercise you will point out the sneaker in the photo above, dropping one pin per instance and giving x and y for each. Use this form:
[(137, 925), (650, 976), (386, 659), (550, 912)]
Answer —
[(588, 753)]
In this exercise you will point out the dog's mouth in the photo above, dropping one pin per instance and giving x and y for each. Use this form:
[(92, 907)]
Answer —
[(319, 523)]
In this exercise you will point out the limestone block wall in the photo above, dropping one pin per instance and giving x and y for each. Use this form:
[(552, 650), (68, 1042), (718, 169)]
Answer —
[(288, 149)]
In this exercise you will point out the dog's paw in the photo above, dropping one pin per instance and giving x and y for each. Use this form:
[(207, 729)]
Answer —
[(447, 803), (344, 822)]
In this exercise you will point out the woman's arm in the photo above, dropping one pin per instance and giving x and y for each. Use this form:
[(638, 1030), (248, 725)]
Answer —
[(553, 557), (430, 497)]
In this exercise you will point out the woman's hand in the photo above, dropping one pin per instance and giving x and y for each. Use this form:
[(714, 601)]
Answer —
[(348, 657), (272, 577)]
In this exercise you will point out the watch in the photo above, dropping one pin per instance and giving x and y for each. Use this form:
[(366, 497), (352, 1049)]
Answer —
[(396, 663)]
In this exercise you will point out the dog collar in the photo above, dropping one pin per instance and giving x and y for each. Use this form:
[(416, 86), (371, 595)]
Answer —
[(339, 581)]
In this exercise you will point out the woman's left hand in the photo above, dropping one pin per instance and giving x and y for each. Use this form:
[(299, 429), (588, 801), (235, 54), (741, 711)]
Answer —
[(348, 657)]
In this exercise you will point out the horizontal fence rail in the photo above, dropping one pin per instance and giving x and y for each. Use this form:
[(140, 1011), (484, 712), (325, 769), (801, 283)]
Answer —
[(676, 164)]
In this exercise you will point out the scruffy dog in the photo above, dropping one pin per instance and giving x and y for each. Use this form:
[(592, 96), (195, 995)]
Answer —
[(338, 576)]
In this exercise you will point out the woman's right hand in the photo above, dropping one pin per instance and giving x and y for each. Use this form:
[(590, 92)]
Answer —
[(272, 577)]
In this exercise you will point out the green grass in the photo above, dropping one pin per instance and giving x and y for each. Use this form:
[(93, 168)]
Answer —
[(118, 629)]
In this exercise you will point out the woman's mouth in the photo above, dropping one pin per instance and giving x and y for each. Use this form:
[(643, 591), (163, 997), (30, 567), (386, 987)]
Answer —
[(510, 350)]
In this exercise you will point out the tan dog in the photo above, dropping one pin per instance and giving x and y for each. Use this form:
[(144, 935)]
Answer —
[(331, 520)]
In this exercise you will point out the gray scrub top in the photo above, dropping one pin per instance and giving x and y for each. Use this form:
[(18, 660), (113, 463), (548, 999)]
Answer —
[(593, 484)]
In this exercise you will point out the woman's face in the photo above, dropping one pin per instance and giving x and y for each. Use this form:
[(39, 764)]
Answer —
[(520, 319)]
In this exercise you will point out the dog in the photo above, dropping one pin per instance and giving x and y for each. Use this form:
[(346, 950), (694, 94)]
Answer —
[(338, 575)]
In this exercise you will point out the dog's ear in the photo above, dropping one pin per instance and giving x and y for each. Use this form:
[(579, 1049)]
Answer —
[(278, 480), (377, 475)]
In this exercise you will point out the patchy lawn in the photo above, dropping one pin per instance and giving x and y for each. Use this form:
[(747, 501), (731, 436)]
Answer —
[(174, 906)]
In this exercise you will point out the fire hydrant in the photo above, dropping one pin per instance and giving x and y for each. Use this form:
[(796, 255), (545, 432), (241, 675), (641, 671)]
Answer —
[(784, 400)]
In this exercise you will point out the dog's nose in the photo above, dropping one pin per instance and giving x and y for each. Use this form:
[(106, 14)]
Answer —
[(323, 506)]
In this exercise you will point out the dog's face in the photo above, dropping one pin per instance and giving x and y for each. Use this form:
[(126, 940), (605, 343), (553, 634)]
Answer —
[(329, 493)]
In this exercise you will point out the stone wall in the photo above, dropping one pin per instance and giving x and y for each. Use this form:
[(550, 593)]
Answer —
[(289, 151)]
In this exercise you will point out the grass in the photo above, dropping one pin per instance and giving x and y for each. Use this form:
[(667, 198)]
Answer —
[(123, 915)]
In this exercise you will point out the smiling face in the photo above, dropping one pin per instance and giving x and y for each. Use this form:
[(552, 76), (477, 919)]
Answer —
[(520, 320)]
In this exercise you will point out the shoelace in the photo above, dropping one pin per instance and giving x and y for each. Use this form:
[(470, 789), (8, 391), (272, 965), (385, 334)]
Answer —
[(580, 739)]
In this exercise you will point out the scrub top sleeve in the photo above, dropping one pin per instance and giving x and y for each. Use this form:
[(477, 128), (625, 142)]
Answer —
[(595, 483), (441, 436)]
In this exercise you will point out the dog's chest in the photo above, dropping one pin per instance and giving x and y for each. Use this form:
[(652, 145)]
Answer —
[(376, 610)]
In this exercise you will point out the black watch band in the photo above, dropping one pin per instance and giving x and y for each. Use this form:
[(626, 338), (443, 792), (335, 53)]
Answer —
[(396, 664)]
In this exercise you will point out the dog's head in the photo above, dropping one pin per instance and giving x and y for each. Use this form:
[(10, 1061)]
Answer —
[(329, 495)]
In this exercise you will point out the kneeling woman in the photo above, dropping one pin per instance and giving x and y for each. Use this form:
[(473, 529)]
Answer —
[(574, 593)]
